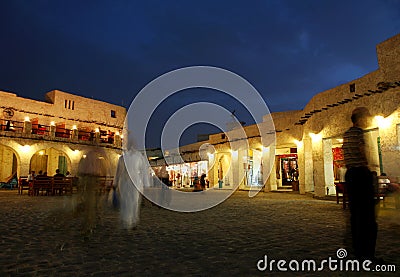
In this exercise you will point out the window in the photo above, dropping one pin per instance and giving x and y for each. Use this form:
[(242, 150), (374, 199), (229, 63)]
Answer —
[(352, 87), (68, 104), (113, 115)]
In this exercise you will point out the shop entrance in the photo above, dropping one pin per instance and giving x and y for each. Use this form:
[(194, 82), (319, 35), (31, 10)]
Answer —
[(289, 171), (254, 168), (185, 175), (334, 166)]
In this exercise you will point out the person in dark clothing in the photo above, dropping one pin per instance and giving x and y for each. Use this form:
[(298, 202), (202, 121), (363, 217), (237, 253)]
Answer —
[(359, 182), (58, 174), (8, 125), (40, 175), (203, 181)]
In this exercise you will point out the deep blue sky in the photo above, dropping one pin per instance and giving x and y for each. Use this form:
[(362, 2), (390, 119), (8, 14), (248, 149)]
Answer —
[(109, 50)]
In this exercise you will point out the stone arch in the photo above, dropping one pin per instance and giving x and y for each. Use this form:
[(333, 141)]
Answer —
[(224, 171), (10, 162), (50, 159)]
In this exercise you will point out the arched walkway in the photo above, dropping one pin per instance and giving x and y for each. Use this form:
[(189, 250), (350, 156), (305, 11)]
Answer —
[(49, 160)]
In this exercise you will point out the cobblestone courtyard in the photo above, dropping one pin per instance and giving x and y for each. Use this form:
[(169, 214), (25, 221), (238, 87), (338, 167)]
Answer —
[(40, 238)]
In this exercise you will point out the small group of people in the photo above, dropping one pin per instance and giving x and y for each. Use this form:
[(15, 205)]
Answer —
[(202, 184), (43, 175)]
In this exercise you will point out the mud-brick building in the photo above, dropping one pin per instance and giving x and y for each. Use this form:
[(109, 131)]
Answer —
[(56, 133), (327, 116), (307, 153)]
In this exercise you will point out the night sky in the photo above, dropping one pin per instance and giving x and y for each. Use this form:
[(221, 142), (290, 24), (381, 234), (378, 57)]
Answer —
[(109, 50)]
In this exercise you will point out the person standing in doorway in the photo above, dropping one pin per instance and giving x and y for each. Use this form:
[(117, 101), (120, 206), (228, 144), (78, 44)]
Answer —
[(359, 181)]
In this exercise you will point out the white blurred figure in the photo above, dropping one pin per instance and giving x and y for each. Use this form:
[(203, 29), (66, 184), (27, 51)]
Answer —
[(130, 186)]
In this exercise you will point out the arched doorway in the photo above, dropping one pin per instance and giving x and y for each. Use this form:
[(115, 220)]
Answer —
[(224, 172), (49, 160), (9, 161)]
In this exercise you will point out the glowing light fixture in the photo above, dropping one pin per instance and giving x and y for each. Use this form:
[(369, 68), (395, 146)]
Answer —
[(25, 148), (74, 127), (298, 143), (52, 123), (235, 153), (382, 122), (315, 137), (97, 130), (41, 153), (26, 118)]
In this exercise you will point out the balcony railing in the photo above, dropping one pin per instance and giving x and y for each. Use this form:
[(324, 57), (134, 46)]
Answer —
[(13, 126), (28, 130)]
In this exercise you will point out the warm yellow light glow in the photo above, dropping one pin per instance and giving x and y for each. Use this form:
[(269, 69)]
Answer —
[(26, 118), (382, 122), (315, 137), (73, 127), (41, 153), (84, 156), (76, 151), (122, 136), (265, 148), (298, 143), (25, 148), (340, 140), (235, 153), (97, 130), (52, 123), (117, 133)]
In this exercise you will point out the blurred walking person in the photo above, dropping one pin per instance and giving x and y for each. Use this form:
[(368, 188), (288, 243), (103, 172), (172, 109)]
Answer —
[(359, 182), (90, 169), (130, 183)]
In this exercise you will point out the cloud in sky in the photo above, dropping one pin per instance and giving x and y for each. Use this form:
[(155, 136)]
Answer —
[(109, 50)]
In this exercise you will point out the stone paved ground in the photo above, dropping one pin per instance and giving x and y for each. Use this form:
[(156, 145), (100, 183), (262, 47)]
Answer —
[(40, 238)]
